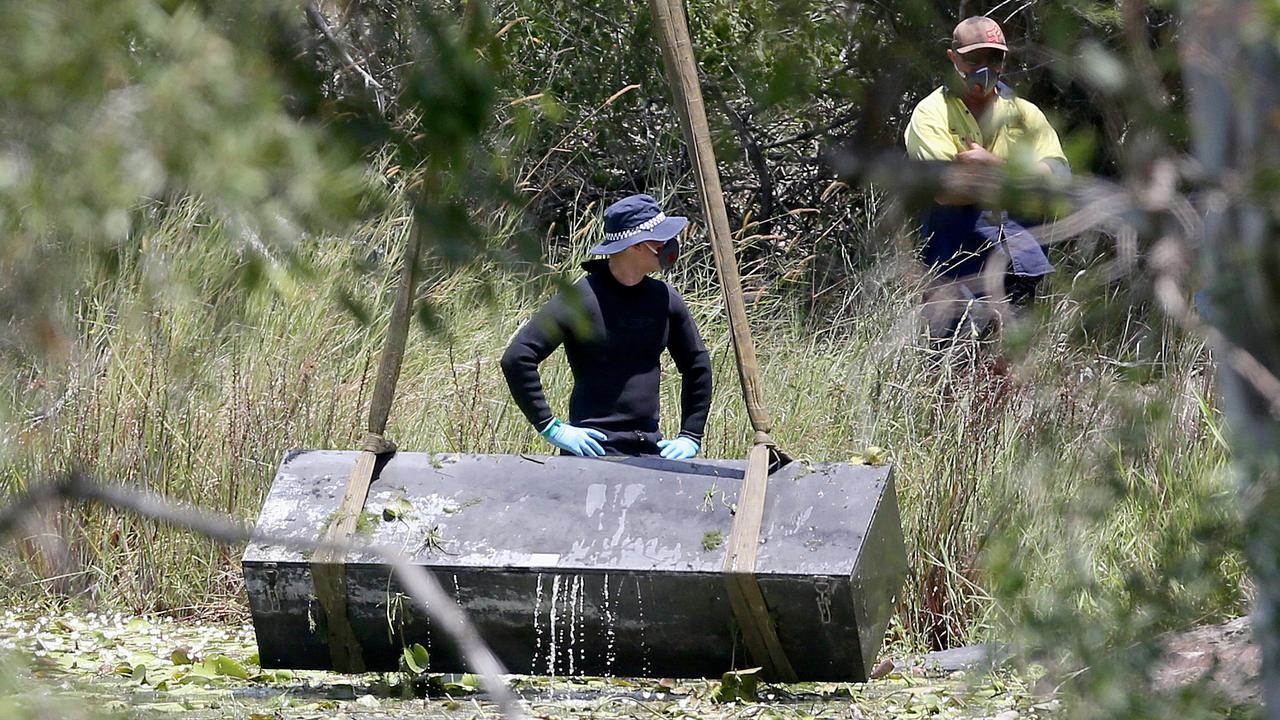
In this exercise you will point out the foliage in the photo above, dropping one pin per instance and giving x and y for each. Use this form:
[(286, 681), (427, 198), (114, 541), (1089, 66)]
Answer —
[(739, 686), (201, 201), (118, 110), (77, 646), (416, 659), (583, 115), (966, 443)]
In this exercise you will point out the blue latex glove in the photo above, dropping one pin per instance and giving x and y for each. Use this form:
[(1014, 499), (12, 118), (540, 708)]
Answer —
[(682, 448), (583, 442)]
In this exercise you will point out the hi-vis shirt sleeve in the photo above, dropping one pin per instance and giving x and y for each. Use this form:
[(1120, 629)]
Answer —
[(928, 135), (1044, 139)]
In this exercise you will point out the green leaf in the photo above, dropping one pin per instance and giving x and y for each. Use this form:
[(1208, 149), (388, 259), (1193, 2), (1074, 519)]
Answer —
[(875, 455), (198, 675), (223, 666), (416, 658), (467, 684), (397, 509), (740, 685)]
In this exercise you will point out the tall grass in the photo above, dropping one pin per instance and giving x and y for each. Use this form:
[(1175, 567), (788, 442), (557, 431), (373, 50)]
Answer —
[(187, 384)]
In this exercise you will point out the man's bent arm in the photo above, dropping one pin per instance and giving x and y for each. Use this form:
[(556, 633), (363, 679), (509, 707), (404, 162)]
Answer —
[(928, 138), (694, 363), (532, 344), (1055, 168)]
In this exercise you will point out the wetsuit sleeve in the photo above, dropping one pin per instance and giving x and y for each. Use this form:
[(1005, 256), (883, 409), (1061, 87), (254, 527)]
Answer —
[(694, 363), (532, 344)]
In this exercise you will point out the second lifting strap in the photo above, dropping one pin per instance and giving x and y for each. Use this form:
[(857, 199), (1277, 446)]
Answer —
[(759, 632), (749, 607)]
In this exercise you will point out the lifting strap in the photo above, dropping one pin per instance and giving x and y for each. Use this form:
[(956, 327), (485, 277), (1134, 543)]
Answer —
[(749, 607), (328, 566)]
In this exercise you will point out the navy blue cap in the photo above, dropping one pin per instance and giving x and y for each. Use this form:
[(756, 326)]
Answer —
[(636, 219)]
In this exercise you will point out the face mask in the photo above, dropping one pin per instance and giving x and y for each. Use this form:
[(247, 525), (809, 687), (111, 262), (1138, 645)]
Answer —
[(980, 81), (668, 253)]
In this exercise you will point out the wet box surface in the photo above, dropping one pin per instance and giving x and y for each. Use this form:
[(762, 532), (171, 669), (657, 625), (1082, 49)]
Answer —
[(590, 567)]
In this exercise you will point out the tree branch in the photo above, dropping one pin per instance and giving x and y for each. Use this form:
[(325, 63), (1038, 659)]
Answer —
[(317, 20), (419, 583)]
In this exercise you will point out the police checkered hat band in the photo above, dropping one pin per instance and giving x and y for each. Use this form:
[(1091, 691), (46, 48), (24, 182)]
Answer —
[(636, 219), (649, 224)]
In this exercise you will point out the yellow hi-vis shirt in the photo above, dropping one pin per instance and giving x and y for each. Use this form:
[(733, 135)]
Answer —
[(1012, 129)]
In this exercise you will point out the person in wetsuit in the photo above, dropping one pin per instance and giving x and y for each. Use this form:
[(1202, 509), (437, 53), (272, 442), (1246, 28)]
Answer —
[(614, 324)]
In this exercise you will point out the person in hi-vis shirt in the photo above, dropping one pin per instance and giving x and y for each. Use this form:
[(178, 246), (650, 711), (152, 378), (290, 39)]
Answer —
[(976, 118)]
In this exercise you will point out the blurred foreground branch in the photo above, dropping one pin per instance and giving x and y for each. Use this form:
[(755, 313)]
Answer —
[(1128, 210), (1231, 64), (419, 583)]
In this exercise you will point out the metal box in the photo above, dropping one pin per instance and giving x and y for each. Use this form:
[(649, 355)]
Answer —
[(575, 566)]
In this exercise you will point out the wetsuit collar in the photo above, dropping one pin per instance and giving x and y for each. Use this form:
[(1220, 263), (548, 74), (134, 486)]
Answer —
[(600, 267)]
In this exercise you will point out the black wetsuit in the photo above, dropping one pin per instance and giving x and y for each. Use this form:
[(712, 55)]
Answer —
[(614, 335)]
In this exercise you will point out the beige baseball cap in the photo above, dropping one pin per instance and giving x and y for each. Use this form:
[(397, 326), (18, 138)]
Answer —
[(977, 32)]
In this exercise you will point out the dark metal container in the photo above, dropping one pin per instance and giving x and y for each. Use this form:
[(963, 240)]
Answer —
[(573, 566)]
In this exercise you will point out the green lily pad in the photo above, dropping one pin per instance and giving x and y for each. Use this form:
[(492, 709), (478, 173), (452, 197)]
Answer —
[(739, 685), (223, 666), (397, 509), (416, 659)]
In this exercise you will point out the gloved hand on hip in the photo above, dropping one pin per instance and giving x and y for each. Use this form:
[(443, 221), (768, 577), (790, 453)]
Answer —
[(579, 441), (682, 448)]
